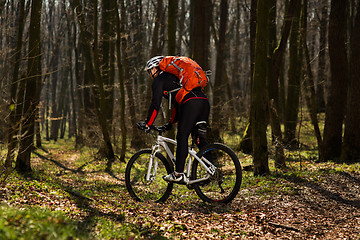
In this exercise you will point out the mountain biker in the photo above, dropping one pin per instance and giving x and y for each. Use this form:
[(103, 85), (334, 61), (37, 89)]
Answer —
[(191, 114)]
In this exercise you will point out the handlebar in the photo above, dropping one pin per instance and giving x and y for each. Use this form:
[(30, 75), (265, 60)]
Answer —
[(142, 126)]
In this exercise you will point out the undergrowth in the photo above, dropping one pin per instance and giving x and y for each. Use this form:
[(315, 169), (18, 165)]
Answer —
[(70, 195)]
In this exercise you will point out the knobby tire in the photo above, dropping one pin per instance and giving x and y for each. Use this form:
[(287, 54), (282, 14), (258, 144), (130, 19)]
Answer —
[(225, 184), (138, 187)]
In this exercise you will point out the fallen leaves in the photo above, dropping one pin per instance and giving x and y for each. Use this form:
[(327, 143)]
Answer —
[(323, 204)]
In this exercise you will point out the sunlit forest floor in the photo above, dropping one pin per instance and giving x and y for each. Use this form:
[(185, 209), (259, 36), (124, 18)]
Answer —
[(71, 196)]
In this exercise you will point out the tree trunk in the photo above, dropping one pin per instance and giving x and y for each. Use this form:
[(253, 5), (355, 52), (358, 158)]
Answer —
[(245, 144), (321, 80), (172, 16), (78, 87), (351, 145), (220, 85), (92, 61), (285, 32), (54, 129), (279, 52), (107, 66), (258, 95), (293, 90), (136, 139), (309, 85), (122, 89), (89, 90), (201, 32), (30, 103), (73, 128), (108, 34), (339, 81), (273, 94), (15, 120), (181, 26)]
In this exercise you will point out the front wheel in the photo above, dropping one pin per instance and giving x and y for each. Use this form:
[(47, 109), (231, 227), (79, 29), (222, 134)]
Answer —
[(154, 189), (225, 183)]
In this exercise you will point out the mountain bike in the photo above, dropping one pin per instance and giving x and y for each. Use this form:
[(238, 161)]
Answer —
[(214, 172)]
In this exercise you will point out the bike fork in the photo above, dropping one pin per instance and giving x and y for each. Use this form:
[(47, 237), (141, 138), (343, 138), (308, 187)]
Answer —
[(152, 165)]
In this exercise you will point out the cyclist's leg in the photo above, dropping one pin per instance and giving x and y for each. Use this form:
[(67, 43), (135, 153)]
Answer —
[(191, 113), (201, 125)]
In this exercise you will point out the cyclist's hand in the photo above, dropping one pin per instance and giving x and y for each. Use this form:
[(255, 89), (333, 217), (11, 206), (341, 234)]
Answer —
[(166, 127), (143, 126)]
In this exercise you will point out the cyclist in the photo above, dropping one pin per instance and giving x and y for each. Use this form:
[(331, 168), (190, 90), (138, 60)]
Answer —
[(191, 114)]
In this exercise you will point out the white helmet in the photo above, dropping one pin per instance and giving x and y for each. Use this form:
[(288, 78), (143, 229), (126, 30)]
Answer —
[(153, 62)]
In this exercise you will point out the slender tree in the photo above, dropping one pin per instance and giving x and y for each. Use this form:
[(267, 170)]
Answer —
[(351, 145), (245, 144), (136, 140), (201, 32), (123, 129), (338, 88), (273, 93), (294, 75), (171, 26), (258, 94), (321, 79), (107, 45), (15, 120), (220, 84), (31, 102), (279, 51), (309, 83), (172, 7), (92, 62)]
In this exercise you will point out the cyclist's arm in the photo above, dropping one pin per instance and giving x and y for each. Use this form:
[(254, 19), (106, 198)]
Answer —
[(157, 91)]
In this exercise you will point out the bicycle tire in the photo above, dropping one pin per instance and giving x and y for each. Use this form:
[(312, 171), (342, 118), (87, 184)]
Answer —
[(225, 184), (156, 190)]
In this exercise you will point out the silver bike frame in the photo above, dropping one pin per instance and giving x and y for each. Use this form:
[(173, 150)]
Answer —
[(162, 142)]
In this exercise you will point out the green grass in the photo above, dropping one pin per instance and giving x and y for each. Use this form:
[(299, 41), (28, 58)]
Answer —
[(37, 223)]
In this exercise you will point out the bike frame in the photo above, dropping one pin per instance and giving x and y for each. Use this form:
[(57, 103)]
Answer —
[(161, 143)]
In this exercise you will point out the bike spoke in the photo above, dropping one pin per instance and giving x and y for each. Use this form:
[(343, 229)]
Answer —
[(155, 189), (225, 183)]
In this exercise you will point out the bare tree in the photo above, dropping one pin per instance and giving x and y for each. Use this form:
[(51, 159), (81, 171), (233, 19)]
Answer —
[(258, 94), (220, 84), (351, 146), (309, 83), (200, 32), (273, 93), (92, 61), (14, 119), (32, 86), (294, 75), (321, 81), (173, 5), (119, 29), (337, 95)]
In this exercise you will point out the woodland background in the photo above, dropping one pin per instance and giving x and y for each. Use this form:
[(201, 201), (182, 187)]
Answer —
[(74, 69), (284, 96)]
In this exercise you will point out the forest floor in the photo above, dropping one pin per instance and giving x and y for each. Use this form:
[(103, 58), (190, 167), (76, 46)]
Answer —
[(308, 201)]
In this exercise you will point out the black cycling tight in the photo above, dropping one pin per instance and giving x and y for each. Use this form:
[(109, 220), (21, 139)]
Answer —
[(191, 112)]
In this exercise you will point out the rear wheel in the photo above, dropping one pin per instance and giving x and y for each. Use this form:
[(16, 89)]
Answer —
[(155, 189), (225, 183)]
